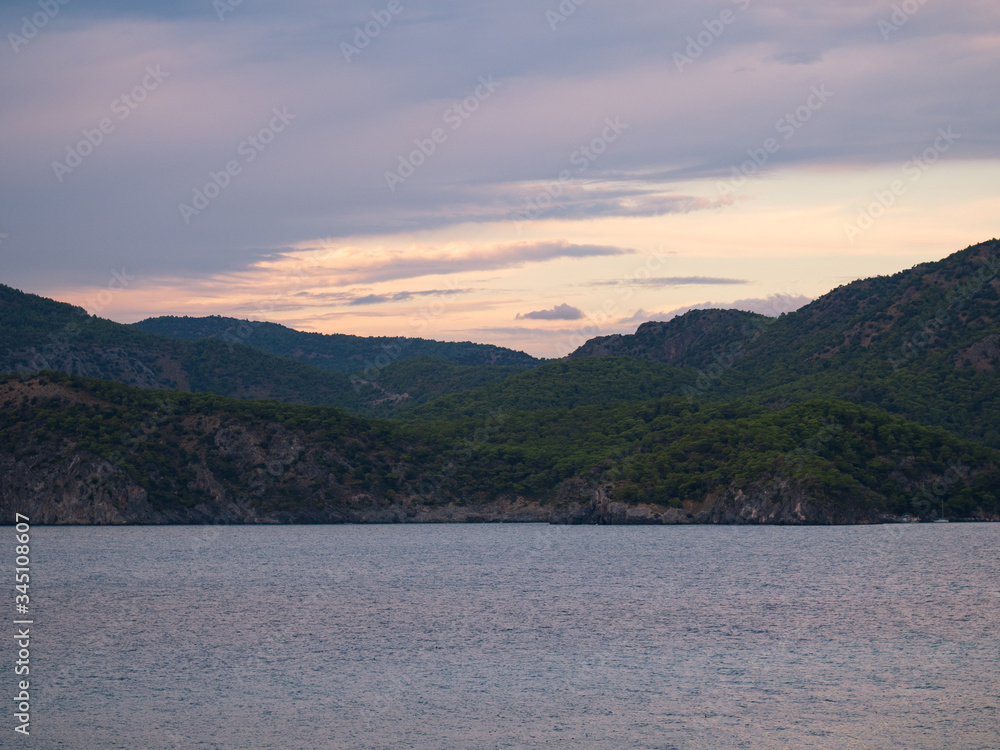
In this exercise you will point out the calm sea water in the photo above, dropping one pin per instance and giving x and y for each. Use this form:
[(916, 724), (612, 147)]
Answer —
[(514, 636)]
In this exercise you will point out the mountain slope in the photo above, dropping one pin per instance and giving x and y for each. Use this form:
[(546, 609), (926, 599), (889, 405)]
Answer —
[(586, 381), (768, 422), (923, 344), (418, 380), (696, 339), (946, 307), (41, 334), (334, 352), (89, 451)]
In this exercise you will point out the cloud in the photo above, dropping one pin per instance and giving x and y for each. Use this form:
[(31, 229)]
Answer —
[(608, 200), (377, 299), (324, 176), (772, 306), (665, 281), (559, 312), (351, 265), (639, 316)]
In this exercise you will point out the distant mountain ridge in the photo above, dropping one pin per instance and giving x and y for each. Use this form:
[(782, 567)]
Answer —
[(922, 343), (336, 352), (951, 307), (694, 339), (878, 401), (37, 333), (940, 306)]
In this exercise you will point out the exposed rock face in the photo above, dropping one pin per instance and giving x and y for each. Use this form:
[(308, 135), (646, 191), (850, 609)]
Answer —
[(83, 490), (86, 490), (780, 501), (696, 339), (775, 501), (981, 356), (132, 367)]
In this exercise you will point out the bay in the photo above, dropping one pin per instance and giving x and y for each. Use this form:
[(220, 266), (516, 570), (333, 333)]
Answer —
[(515, 636)]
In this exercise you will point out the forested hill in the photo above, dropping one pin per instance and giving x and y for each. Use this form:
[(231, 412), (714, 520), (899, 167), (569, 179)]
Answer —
[(587, 381), (91, 451), (948, 309), (698, 339), (336, 352), (923, 344), (37, 333), (877, 400)]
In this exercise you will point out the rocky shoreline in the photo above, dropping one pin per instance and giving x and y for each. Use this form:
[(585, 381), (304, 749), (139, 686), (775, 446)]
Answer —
[(113, 502)]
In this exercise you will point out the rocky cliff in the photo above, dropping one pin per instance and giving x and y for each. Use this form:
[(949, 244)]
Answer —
[(86, 490)]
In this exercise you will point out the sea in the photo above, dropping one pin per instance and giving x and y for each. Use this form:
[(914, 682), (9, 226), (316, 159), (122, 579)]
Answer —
[(512, 636)]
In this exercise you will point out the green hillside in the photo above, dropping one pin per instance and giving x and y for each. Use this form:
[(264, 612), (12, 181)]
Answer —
[(878, 400), (422, 379), (587, 381), (40, 334), (334, 352), (923, 344), (698, 339), (70, 447), (668, 452)]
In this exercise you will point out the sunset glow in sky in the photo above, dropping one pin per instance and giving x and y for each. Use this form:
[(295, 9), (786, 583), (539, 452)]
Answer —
[(528, 174)]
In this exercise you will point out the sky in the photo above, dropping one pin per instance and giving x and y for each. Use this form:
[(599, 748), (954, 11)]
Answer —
[(527, 174)]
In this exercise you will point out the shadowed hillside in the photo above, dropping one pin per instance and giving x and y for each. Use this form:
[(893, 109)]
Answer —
[(696, 339), (40, 334), (876, 401), (335, 352), (91, 451)]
